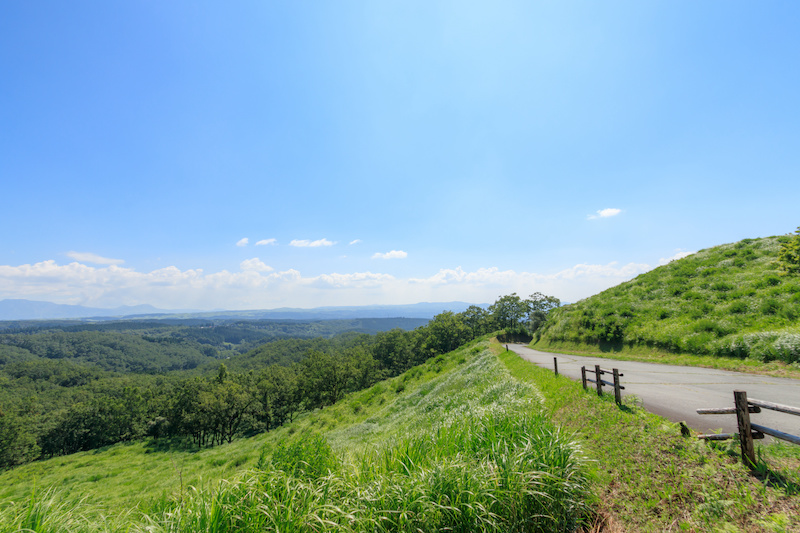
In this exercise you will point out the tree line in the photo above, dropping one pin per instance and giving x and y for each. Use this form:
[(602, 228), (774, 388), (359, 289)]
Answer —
[(250, 393)]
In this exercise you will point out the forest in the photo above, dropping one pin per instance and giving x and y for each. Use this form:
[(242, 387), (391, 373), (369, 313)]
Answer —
[(66, 388)]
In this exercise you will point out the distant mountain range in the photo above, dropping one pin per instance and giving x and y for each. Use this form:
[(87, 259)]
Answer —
[(35, 310)]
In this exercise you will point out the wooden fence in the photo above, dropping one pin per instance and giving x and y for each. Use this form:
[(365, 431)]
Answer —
[(743, 408), (599, 381)]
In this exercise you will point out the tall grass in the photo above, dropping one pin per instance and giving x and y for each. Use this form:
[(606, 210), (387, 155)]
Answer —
[(464, 447), (510, 472)]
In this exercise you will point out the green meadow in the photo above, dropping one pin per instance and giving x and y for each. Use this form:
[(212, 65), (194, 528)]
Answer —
[(455, 444)]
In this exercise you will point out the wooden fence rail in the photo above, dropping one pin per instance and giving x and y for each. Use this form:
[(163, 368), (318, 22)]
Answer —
[(743, 407), (599, 381)]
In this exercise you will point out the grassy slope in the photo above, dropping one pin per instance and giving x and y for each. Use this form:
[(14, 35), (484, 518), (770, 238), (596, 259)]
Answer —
[(728, 301), (649, 478), (446, 392), (646, 476)]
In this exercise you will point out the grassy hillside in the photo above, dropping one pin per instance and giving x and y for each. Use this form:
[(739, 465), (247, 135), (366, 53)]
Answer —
[(730, 301), (467, 441), (454, 444)]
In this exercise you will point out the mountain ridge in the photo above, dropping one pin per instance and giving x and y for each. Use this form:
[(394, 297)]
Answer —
[(21, 309)]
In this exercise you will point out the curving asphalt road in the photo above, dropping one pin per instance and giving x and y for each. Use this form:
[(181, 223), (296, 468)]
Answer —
[(674, 392)]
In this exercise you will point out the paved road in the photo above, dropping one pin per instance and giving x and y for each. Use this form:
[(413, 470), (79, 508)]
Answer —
[(674, 392)]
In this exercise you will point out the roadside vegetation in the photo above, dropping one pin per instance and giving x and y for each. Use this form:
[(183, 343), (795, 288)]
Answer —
[(648, 477), (739, 301)]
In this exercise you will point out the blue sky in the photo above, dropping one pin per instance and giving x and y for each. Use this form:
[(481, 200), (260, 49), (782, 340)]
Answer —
[(259, 154)]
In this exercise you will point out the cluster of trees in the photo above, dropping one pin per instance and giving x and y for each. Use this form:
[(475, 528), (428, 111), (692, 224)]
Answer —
[(66, 405), (789, 255), (522, 317)]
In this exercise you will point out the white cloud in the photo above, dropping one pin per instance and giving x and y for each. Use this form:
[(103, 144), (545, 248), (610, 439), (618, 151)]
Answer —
[(87, 257), (605, 213), (356, 279), (678, 255), (242, 242), (265, 242), (356, 241), (255, 264), (304, 243), (394, 254), (259, 287)]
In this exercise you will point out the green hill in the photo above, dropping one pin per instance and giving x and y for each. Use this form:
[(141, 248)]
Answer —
[(473, 440), (732, 300), (454, 444)]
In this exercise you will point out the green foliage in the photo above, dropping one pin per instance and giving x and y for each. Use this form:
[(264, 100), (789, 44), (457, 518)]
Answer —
[(17, 446), (73, 402), (467, 449), (309, 456), (702, 304), (789, 255)]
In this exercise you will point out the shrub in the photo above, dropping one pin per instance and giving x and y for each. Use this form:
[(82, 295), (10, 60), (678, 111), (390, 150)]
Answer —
[(787, 347), (789, 255), (738, 307), (697, 343), (770, 306), (788, 312), (663, 314), (721, 286), (309, 457), (767, 346), (709, 326), (699, 310), (675, 290)]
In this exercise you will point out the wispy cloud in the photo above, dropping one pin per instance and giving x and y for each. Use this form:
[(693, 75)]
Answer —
[(265, 242), (87, 257), (255, 264), (356, 241), (242, 242), (679, 254), (605, 213), (394, 254), (305, 243)]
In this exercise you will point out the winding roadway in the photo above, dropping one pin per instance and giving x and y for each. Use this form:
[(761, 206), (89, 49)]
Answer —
[(674, 392)]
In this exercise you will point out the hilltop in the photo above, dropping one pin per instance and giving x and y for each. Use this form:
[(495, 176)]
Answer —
[(732, 300)]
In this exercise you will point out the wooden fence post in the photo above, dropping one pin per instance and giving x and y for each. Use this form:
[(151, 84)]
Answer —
[(555, 365), (583, 377), (617, 392), (598, 380), (745, 432)]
